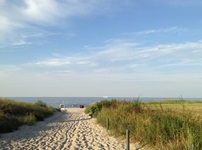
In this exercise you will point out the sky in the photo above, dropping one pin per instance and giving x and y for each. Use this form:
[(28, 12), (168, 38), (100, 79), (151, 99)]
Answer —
[(93, 48)]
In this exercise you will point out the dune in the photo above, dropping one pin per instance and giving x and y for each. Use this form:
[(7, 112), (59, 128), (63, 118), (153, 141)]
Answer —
[(69, 130)]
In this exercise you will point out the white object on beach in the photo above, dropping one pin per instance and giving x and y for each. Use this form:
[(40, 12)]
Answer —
[(62, 107)]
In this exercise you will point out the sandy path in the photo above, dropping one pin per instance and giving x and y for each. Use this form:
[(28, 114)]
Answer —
[(71, 130)]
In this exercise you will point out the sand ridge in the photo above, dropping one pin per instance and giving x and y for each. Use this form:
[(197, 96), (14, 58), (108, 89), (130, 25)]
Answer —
[(70, 130)]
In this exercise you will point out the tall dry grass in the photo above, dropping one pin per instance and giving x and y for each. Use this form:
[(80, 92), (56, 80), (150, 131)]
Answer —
[(160, 128)]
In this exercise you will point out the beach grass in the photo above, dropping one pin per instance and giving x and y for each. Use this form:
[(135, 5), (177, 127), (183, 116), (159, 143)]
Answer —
[(14, 114), (169, 125)]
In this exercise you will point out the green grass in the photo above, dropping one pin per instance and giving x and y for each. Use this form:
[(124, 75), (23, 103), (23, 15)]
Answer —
[(14, 114), (175, 102), (160, 126)]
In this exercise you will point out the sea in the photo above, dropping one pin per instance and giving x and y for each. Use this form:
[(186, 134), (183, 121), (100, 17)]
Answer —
[(77, 101)]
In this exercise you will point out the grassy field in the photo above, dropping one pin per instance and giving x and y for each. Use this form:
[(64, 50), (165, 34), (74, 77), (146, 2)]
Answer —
[(167, 125), (191, 108), (14, 114)]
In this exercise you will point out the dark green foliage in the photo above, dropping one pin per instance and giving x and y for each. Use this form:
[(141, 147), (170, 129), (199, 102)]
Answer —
[(41, 103), (95, 108), (13, 114), (8, 123)]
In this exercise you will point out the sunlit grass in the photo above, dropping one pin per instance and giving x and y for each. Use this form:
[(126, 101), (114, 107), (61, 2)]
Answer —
[(163, 125)]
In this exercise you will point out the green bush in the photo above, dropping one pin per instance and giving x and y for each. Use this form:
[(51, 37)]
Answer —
[(28, 119), (41, 103), (95, 108), (13, 114), (8, 123)]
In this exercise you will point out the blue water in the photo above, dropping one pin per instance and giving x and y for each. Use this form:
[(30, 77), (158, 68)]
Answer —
[(76, 101)]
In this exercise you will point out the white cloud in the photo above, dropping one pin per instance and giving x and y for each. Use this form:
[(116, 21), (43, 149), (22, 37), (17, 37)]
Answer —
[(124, 57), (50, 11), (11, 68), (22, 42), (54, 62), (81, 62), (159, 31), (150, 71), (40, 11), (19, 18), (8, 29)]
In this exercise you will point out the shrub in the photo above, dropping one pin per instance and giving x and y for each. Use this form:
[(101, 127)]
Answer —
[(13, 114), (41, 103), (8, 123), (28, 119), (95, 108)]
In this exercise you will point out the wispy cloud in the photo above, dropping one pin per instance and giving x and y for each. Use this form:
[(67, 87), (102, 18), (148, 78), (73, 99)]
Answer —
[(30, 17), (54, 62), (118, 63), (158, 31), (7, 70), (131, 58), (49, 11), (22, 42)]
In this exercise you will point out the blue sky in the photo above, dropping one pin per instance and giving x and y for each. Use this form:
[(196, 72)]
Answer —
[(101, 47)]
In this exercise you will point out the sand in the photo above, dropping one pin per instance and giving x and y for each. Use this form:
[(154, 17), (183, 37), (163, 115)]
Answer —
[(70, 130)]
